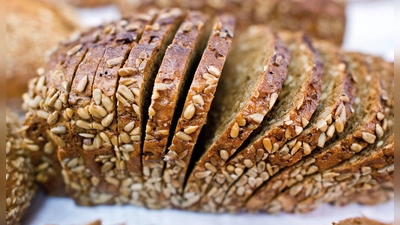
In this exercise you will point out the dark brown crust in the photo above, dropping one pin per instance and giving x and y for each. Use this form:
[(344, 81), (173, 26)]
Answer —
[(304, 104), (20, 187), (269, 84), (169, 85), (323, 19), (337, 150), (200, 94)]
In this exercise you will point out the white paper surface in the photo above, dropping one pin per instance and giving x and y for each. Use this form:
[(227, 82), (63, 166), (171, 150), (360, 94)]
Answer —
[(369, 30)]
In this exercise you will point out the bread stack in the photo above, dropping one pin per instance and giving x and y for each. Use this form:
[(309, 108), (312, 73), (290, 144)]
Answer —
[(179, 109)]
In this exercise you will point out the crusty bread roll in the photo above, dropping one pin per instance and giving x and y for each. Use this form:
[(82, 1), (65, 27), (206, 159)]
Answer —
[(20, 187), (33, 27)]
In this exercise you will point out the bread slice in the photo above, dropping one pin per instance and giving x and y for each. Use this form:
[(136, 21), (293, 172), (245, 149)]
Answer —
[(20, 186), (248, 89), (200, 96), (330, 184), (93, 124), (170, 87), (366, 124), (138, 75), (338, 94), (359, 221), (46, 102), (296, 103)]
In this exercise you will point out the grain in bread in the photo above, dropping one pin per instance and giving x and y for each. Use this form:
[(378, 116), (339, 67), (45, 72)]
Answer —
[(200, 95), (36, 26), (367, 168), (323, 19), (359, 133), (248, 89), (20, 186), (170, 87), (296, 103), (338, 94), (46, 103), (137, 75), (92, 100)]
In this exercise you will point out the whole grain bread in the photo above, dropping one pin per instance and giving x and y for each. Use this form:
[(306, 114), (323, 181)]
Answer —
[(368, 167), (363, 129), (323, 19), (239, 106), (33, 25), (296, 103), (93, 100), (338, 94), (170, 87), (200, 95), (47, 104), (20, 187)]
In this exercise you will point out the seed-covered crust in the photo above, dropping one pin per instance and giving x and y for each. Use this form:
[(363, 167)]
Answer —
[(239, 106), (200, 96), (31, 25), (324, 19), (360, 221), (367, 124), (96, 164), (46, 103), (371, 166), (296, 103), (170, 86), (20, 186)]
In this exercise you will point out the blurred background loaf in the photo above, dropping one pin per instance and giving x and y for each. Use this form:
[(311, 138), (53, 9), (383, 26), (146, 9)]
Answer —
[(32, 28)]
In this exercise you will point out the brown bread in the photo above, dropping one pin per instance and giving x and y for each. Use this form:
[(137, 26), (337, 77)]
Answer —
[(20, 186), (248, 89), (200, 96), (363, 128), (296, 103)]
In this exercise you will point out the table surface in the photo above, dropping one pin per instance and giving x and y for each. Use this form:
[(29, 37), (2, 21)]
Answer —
[(369, 30)]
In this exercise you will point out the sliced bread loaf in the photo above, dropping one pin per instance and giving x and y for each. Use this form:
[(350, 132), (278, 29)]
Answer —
[(296, 103), (46, 103), (199, 97), (249, 87), (272, 155), (362, 130), (93, 104), (170, 86)]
